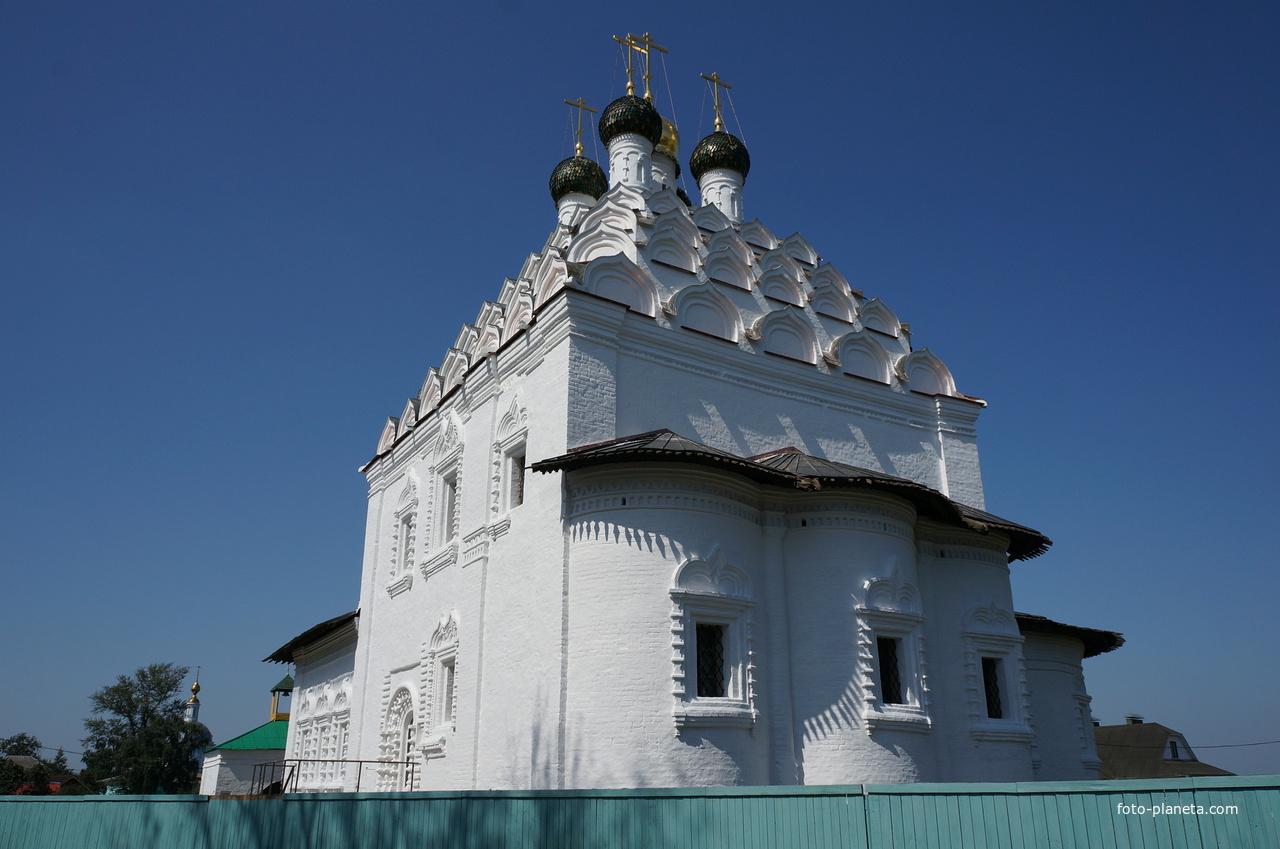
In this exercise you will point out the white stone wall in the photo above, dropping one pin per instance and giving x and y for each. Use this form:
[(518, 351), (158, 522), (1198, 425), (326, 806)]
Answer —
[(1065, 744), (230, 772)]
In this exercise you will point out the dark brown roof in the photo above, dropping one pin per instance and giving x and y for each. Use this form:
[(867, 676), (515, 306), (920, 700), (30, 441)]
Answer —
[(1138, 751), (1095, 641), (792, 468), (284, 654)]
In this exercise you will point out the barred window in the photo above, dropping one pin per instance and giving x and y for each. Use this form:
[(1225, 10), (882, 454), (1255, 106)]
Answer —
[(991, 684), (710, 648), (890, 671)]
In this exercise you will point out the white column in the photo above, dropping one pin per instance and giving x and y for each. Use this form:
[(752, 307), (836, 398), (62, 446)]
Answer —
[(664, 170), (722, 187), (572, 207), (631, 161)]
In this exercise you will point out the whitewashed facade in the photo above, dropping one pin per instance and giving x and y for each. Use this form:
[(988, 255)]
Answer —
[(523, 629)]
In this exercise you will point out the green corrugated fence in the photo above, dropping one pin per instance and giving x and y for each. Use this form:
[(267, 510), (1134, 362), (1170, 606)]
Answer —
[(1232, 813)]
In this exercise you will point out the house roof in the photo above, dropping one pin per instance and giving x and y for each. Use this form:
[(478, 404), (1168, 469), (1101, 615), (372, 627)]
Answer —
[(1138, 751), (792, 468), (1095, 641), (284, 654), (272, 735)]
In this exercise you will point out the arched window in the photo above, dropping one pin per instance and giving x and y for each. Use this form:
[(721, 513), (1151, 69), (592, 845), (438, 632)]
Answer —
[(409, 733)]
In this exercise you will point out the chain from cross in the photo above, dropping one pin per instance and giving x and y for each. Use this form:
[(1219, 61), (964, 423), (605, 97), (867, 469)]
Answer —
[(580, 105), (716, 82)]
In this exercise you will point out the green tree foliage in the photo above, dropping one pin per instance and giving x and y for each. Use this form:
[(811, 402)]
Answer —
[(138, 738), (21, 744)]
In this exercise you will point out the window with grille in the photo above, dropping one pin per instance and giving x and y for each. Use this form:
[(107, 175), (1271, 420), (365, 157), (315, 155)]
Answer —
[(710, 648), (890, 671), (991, 685)]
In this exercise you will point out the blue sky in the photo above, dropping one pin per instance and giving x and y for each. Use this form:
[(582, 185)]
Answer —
[(234, 236)]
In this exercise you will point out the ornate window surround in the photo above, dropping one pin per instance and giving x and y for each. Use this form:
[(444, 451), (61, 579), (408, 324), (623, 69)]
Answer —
[(709, 591), (892, 610), (440, 719), (399, 722), (510, 440), (403, 538), (991, 631), (448, 466)]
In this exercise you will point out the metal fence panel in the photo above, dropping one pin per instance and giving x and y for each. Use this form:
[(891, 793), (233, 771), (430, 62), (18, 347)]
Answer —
[(1202, 813)]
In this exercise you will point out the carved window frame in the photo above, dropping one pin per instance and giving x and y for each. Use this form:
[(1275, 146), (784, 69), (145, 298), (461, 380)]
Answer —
[(711, 592), (441, 718), (891, 611), (400, 721), (991, 632), (404, 533), (504, 453), (446, 523)]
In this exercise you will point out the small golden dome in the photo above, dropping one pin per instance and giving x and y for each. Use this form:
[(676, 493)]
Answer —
[(670, 141)]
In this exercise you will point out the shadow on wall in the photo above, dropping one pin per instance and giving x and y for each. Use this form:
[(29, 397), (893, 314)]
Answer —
[(583, 765)]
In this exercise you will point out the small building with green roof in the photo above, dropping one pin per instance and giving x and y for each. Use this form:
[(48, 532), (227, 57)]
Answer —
[(229, 768)]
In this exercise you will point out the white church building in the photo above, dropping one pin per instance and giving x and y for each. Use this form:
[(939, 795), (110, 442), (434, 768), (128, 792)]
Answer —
[(679, 507)]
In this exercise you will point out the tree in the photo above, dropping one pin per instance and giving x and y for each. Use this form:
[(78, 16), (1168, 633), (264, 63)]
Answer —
[(17, 777), (139, 739), (20, 744)]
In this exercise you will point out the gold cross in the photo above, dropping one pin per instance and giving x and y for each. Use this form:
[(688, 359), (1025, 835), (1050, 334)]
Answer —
[(640, 44), (580, 105), (716, 83)]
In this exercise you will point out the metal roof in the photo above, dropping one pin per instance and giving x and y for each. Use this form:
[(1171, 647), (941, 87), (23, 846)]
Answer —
[(793, 469), (1138, 751), (284, 654), (272, 735), (1095, 641)]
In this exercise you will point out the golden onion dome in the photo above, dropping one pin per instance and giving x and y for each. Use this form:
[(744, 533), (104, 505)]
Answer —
[(670, 141)]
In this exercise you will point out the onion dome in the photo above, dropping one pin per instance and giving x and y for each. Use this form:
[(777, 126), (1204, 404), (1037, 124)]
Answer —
[(669, 143), (630, 114), (720, 150), (684, 196), (577, 174)]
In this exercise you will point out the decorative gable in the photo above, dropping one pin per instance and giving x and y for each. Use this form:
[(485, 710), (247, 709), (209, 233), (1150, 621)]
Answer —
[(876, 316), (798, 248), (925, 373), (787, 333), (727, 266), (619, 279), (861, 355), (704, 308), (757, 234), (710, 218)]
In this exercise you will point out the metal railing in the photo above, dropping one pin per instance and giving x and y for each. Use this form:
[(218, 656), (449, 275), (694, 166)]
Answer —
[(285, 776)]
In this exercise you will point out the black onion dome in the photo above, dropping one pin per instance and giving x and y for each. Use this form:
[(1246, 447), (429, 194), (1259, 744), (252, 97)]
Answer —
[(577, 174), (719, 150), (630, 114)]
